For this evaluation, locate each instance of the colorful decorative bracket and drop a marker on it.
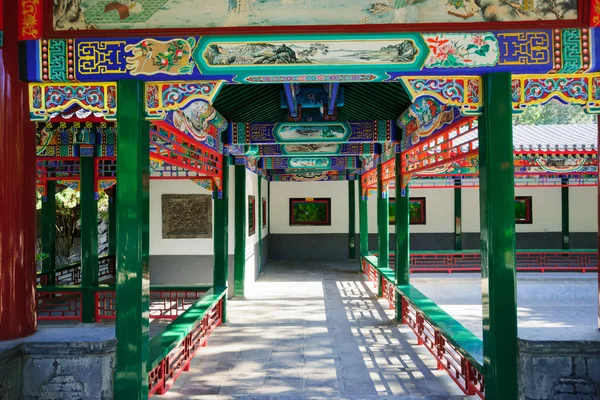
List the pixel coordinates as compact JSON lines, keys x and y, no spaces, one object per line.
{"x":170,"y":96}
{"x":463,"y":92}
{"x":582,"y":90}
{"x":48,"y":99}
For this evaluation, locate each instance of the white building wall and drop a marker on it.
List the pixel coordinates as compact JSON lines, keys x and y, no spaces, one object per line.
{"x":251,"y":266}
{"x":546,"y":208}
{"x":546,"y":205}
{"x":439,"y":211}
{"x":282,"y":192}
{"x":160,"y":246}
{"x":583,"y":209}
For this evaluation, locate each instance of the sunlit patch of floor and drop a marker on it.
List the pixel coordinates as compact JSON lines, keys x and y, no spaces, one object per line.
{"x":313,"y":330}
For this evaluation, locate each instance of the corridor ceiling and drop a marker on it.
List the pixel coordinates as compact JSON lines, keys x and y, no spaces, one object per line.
{"x":362,"y":101}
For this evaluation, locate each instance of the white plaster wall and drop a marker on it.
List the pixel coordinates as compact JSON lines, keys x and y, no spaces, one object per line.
{"x":282,"y":192}
{"x":160,"y":246}
{"x":439,"y":211}
{"x":251,"y":265}
{"x":583,"y":209}
{"x":469,"y":210}
{"x":546,"y":207}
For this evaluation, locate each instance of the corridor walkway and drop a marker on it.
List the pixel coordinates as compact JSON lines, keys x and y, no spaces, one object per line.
{"x":312,"y":331}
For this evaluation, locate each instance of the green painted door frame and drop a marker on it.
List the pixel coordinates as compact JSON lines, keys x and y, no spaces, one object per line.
{"x":268,"y":207}
{"x":497,"y":208}
{"x":133,"y":283}
{"x":564,"y":195}
{"x":351,"y":220}
{"x":89,"y":239}
{"x":49,"y":232}
{"x":383,"y":225}
{"x":402,"y":259}
{"x":221,"y":237}
{"x":458,"y":214}
{"x":241,"y":231}
{"x":363,"y":213}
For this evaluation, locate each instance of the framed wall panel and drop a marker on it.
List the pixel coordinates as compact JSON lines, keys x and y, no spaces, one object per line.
{"x":309,"y":211}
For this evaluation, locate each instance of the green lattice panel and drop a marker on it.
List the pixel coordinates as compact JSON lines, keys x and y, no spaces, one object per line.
{"x":571,"y":51}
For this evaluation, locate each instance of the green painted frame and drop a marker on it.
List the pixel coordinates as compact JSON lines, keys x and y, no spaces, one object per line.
{"x":251,"y":215}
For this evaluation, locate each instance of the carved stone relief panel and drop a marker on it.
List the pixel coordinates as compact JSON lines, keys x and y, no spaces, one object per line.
{"x":186,"y":216}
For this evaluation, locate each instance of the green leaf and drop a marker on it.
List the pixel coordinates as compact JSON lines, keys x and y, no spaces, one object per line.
{"x":471,"y":47}
{"x":191,"y":41}
{"x":492,"y":38}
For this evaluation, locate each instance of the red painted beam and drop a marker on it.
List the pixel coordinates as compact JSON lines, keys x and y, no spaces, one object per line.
{"x":17,"y":190}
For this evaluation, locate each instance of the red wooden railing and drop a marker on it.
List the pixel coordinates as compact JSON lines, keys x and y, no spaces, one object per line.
{"x":163,"y":375}
{"x":59,"y":305}
{"x":463,"y":373}
{"x":65,"y":303}
{"x":527,"y":260}
{"x":164,"y":304}
{"x":468,"y":379}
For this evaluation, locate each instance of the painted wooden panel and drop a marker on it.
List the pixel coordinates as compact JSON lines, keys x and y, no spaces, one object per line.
{"x":157,"y":14}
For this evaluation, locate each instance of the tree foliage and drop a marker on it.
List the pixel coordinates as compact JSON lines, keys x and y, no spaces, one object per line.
{"x":68,"y":217}
{"x":553,"y":114}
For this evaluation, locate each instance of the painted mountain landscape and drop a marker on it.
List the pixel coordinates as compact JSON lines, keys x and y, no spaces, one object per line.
{"x":156,"y":14}
{"x":327,"y":52}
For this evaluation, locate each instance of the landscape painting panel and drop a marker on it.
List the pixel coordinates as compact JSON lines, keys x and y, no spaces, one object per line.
{"x":310,"y":211}
{"x":157,"y":14}
{"x":307,"y":132}
{"x":308,"y":148}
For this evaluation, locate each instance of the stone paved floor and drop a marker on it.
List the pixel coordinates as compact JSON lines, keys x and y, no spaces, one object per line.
{"x":550,"y":306}
{"x":312,"y":331}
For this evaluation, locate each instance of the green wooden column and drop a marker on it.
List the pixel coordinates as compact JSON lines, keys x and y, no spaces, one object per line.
{"x":351,"y":220}
{"x":564,"y":195}
{"x":497,"y":208}
{"x":112,"y":223}
{"x":221,"y":236}
{"x":402,"y":259}
{"x":49,"y":232}
{"x":458,"y":214}
{"x":259,"y":222}
{"x":89,"y":239}
{"x":133,"y":278}
{"x":363,"y":213}
{"x":268,"y":207}
{"x":241,"y":230}
{"x":383,"y":226}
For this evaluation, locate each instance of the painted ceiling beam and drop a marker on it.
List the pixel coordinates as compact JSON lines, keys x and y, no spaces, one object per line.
{"x":236,"y":60}
{"x":290,"y":95}
{"x":336,"y":163}
{"x":315,"y":149}
{"x":311,"y":132}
